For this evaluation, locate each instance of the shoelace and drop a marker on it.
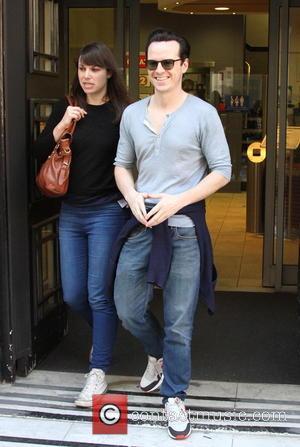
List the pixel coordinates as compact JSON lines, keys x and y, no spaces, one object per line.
{"x":177,"y":406}
{"x":152,"y":367}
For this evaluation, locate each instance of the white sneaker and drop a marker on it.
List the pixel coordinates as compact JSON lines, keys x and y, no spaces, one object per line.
{"x":153,"y":375}
{"x":179,"y":426}
{"x":95,"y":384}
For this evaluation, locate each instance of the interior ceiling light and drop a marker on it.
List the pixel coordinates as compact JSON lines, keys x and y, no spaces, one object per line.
{"x":222,"y":8}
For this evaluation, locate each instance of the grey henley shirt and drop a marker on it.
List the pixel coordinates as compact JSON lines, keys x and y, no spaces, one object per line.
{"x":191,"y":144}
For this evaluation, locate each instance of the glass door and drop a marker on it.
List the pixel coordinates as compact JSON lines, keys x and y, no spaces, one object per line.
{"x":116,"y":23}
{"x":283,"y":147}
{"x":78,"y":22}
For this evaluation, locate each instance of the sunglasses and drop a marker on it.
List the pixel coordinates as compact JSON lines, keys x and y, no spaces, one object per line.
{"x":167,"y":64}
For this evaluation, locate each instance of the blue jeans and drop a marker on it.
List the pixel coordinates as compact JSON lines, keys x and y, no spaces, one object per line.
{"x":133,"y":295}
{"x":86,"y":235}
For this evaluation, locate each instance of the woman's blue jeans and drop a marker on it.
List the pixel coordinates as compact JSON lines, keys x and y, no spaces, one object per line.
{"x":86,"y":235}
{"x":133,"y":295}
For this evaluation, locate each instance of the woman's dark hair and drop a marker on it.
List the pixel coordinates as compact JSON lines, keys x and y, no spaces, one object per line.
{"x":98,"y":54}
{"x":165,"y":35}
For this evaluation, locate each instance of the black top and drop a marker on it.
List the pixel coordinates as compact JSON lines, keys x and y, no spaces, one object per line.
{"x":94,"y":146}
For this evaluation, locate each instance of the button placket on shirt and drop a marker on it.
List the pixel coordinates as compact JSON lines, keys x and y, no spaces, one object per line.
{"x":158,"y":136}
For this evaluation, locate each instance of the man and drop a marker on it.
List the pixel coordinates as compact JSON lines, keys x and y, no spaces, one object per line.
{"x":177,"y":143}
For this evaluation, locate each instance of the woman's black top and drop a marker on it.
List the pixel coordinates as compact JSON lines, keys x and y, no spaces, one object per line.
{"x":94,"y":146}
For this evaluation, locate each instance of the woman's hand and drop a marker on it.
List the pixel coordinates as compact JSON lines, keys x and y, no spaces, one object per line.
{"x":72,"y":113}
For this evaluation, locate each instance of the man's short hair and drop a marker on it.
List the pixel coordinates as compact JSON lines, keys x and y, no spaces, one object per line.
{"x":166,"y":35}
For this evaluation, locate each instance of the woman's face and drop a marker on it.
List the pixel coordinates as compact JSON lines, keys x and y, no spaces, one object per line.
{"x":93,"y":79}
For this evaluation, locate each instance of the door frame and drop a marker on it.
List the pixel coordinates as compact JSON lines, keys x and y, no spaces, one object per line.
{"x":15,"y":299}
{"x":275,"y":273}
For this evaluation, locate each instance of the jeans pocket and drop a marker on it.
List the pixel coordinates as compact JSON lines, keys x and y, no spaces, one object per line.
{"x":137,"y":231}
{"x":185,"y":232}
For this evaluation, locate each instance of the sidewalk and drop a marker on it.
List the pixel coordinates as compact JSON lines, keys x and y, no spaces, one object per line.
{"x":38,"y":411}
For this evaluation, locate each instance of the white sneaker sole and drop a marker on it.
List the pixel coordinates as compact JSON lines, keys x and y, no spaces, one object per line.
{"x":180,"y":437}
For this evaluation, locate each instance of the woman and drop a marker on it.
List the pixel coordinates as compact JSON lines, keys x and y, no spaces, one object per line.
{"x":91,"y":216}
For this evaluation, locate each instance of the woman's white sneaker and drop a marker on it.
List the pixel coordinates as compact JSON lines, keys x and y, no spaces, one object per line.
{"x":95,"y":384}
{"x":179,"y":426}
{"x":153,"y":375}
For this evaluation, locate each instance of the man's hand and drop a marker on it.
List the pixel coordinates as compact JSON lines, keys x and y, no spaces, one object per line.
{"x":136,"y":202}
{"x":166,"y":207}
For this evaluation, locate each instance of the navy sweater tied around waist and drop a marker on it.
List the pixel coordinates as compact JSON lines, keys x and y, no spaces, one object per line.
{"x":161,"y":253}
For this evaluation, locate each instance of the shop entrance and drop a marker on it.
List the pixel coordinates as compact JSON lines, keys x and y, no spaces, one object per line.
{"x":238,"y":90}
{"x":225,"y":72}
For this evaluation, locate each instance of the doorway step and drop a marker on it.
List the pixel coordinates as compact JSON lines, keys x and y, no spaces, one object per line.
{"x":39,"y":410}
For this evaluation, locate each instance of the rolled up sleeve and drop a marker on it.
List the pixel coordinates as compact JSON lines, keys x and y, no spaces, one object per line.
{"x":214,"y":145}
{"x":126,"y":156}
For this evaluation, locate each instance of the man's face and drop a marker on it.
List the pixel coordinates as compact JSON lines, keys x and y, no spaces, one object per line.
{"x":166,"y":80}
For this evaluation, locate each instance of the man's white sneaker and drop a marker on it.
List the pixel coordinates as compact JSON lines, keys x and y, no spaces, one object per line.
{"x":179,"y":426}
{"x":153,"y":375}
{"x":95,"y":384}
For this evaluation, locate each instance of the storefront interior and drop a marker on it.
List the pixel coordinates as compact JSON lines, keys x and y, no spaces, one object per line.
{"x":229,"y":66}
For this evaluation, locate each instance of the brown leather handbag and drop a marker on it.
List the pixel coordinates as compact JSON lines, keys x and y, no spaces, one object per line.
{"x":53,"y":176}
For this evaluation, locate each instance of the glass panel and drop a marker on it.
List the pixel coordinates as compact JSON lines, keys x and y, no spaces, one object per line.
{"x":89,"y":25}
{"x":48,"y":258}
{"x":292,"y":155}
{"x":44,"y":23}
{"x":47,"y":266}
{"x":47,"y":269}
{"x":40,"y":110}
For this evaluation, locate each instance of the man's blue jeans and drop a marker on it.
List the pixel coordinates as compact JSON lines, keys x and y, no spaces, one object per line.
{"x":133,"y":295}
{"x":86,"y":235}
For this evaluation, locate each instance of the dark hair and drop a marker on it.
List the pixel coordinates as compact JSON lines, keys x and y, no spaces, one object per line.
{"x":166,"y":35}
{"x":97,"y":53}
